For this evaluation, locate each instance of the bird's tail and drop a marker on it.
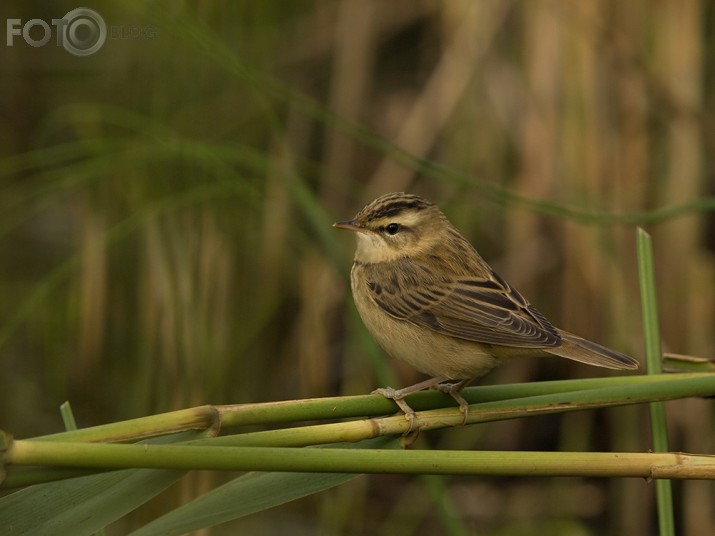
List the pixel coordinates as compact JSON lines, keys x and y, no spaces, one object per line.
{"x":588,"y":352}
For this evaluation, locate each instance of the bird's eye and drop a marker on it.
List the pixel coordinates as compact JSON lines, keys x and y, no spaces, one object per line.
{"x":393,"y":228}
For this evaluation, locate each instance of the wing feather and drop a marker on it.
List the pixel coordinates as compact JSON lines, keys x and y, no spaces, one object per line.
{"x":482,"y":309}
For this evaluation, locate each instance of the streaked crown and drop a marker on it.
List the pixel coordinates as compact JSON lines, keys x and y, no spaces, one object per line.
{"x":391,"y":205}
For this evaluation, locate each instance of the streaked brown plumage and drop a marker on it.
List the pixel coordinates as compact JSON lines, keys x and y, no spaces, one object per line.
{"x":429,"y":299}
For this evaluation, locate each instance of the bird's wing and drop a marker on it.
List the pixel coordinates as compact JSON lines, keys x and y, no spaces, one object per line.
{"x":481,"y":309}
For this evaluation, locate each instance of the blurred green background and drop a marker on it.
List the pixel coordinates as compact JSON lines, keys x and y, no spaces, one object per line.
{"x":165,"y":211}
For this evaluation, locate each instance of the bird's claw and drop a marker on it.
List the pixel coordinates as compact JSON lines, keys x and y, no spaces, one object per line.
{"x":397,"y":396}
{"x":453,"y":390}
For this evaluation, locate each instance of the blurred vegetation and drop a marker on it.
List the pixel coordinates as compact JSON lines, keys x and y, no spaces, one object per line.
{"x":165,"y":211}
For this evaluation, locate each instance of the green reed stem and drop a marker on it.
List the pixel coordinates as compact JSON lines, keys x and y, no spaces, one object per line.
{"x":651,"y":330}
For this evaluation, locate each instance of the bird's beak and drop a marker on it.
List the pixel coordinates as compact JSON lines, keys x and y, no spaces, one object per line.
{"x":350,"y":225}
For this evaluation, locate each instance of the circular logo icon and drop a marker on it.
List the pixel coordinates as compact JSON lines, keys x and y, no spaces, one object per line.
{"x":84,"y":33}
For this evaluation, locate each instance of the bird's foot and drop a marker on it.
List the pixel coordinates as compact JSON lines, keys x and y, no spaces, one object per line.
{"x":398,"y":396}
{"x":453,"y":390}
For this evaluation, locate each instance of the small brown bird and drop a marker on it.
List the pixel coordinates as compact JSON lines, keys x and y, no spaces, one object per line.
{"x":428,"y":298}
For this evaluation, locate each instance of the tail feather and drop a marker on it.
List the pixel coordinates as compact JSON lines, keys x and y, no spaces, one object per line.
{"x":588,"y":352}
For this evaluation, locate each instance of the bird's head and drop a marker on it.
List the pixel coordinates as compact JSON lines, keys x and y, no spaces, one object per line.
{"x":396,"y":225}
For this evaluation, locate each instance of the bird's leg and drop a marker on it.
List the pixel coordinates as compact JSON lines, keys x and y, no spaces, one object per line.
{"x":398,"y":396}
{"x":453,"y":390}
